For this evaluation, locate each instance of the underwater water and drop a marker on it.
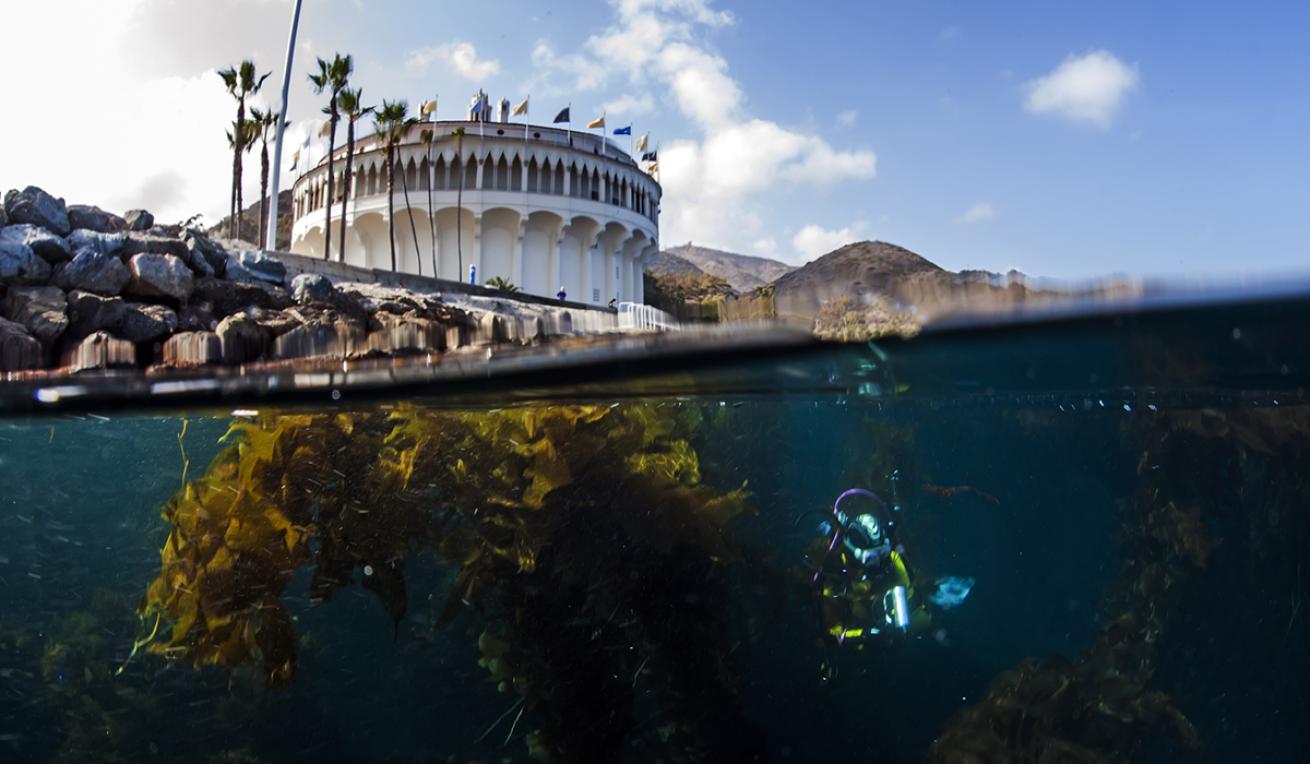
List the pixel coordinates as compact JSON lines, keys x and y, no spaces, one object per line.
{"x":1084,"y":543}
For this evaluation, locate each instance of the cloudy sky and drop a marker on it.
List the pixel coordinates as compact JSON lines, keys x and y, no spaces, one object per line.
{"x":1065,"y":139}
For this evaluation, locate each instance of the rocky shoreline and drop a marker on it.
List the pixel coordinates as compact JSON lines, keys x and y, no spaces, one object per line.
{"x":83,"y":289}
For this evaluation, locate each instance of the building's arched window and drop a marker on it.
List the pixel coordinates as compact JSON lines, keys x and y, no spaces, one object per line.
{"x":424,"y":175}
{"x":502,"y":174}
{"x":595,"y":186}
{"x":439,"y":173}
{"x":372,"y":180}
{"x":558,"y":187}
{"x":575,"y":188}
{"x":533,"y":176}
{"x":516,"y":175}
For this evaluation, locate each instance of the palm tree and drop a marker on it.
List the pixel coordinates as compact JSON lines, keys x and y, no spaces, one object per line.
{"x":240,"y":139}
{"x":503,"y":284}
{"x":352,"y":106}
{"x":241,"y":83}
{"x":386,"y":125}
{"x":400,"y":130}
{"x":261,"y":122}
{"x":332,"y":77}
{"x":459,"y":203}
{"x":426,"y":138}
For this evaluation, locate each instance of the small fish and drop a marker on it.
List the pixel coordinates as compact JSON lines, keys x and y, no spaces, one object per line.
{"x":951,"y":591}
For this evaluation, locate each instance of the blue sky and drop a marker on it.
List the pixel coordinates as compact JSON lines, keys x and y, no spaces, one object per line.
{"x":1068,"y":140}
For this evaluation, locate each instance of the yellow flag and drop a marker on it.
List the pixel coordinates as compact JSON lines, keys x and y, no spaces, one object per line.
{"x":597,"y":122}
{"x":654,"y":168}
{"x":428,"y":107}
{"x":521,"y":108}
{"x":326,"y":129}
{"x":295,"y":159}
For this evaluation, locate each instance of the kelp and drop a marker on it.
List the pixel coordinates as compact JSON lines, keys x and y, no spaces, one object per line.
{"x":586,"y":542}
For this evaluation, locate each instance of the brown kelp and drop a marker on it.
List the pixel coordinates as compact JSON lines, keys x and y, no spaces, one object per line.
{"x":593,"y":559}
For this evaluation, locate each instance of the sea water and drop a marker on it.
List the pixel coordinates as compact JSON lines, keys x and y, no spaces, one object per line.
{"x":1101,"y":521}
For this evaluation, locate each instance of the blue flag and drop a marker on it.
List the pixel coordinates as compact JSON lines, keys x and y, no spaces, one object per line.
{"x":563,"y":116}
{"x":623,"y":130}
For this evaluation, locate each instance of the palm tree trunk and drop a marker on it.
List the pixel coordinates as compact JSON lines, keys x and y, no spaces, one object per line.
{"x":432,"y":223}
{"x":263,"y":198}
{"x":236,"y":171}
{"x":404,"y":184}
{"x":459,"y":211}
{"x":234,"y":230}
{"x":391,"y":206}
{"x":345,"y":191}
{"x":327,"y":208}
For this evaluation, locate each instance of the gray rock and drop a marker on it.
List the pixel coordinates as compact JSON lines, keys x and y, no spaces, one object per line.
{"x":4,"y":216}
{"x":160,"y":276}
{"x":107,"y":243}
{"x":249,"y":266}
{"x":94,"y":219}
{"x":146,"y":323}
{"x":42,"y":309}
{"x":139,"y":220}
{"x":18,"y":349}
{"x":100,"y":351}
{"x":205,"y":252}
{"x":228,"y":297}
{"x":145,"y":243}
{"x":311,"y":287}
{"x":92,"y":271}
{"x":193,"y":349}
{"x":20,"y":265}
{"x":196,"y":318}
{"x":49,"y":247}
{"x":243,"y":340}
{"x":88,"y":313}
{"x":34,"y":206}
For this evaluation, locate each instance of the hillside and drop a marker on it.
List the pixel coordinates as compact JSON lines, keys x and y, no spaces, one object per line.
{"x":250,"y":223}
{"x":742,"y":272}
{"x":855,"y":270}
{"x":666,"y":263}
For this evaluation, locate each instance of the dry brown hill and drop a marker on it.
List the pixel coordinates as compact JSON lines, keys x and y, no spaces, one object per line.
{"x":742,"y":272}
{"x":855,"y":270}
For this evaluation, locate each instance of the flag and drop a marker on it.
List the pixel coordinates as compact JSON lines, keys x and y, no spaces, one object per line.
{"x":563,"y":116}
{"x":475,"y":106}
{"x":521,"y":108}
{"x":428,"y":108}
{"x":326,"y":129}
{"x":650,"y":156}
{"x":597,"y":122}
{"x":653,"y":168}
{"x":295,"y":159}
{"x":622,"y":130}
{"x":641,"y":143}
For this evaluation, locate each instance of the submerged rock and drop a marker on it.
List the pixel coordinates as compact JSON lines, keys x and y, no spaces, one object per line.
{"x":19,"y":350}
{"x":160,"y":276}
{"x":42,"y":309}
{"x":49,"y":247}
{"x":93,"y":218}
{"x":243,"y":340}
{"x":93,"y":271}
{"x":33,"y":205}
{"x":20,"y":265}
{"x":100,"y":351}
{"x":139,"y":220}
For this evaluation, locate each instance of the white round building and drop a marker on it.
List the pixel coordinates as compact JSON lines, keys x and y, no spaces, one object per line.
{"x":542,"y":209}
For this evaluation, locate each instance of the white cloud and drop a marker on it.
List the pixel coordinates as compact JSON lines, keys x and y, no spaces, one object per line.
{"x":628,"y":105}
{"x":815,"y":241}
{"x":766,"y":247}
{"x":709,"y":180}
{"x":847,"y":118}
{"x":977,"y":213}
{"x":461,"y":57}
{"x":1087,"y":89}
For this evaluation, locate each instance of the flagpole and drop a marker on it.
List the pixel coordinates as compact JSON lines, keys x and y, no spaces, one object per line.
{"x":281,"y":127}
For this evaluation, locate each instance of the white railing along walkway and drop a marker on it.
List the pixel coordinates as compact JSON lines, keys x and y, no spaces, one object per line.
{"x":638,"y":317}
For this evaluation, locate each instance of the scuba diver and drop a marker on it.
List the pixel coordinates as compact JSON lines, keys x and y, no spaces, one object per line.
{"x":866,"y":587}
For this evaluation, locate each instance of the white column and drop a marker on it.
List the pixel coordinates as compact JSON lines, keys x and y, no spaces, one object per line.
{"x":516,"y":260}
{"x":553,"y":259}
{"x":476,"y":255}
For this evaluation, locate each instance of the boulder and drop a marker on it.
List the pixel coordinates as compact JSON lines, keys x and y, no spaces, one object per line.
{"x":138,"y":220}
{"x":193,"y":349}
{"x":249,"y":266}
{"x":329,"y":336}
{"x":18,"y":349}
{"x":89,"y":313}
{"x":406,"y":335}
{"x":100,"y":351}
{"x":243,"y":340}
{"x":94,"y":219}
{"x":228,"y":297}
{"x":106,"y":243}
{"x":34,"y":206}
{"x":196,"y":318}
{"x":20,"y":265}
{"x":312,"y":287}
{"x":43,"y":310}
{"x":4,"y":216}
{"x":148,"y":243}
{"x":160,"y":276}
{"x":49,"y":247}
{"x":205,"y":253}
{"x":276,"y":322}
{"x":92,"y":271}
{"x":146,"y":323}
